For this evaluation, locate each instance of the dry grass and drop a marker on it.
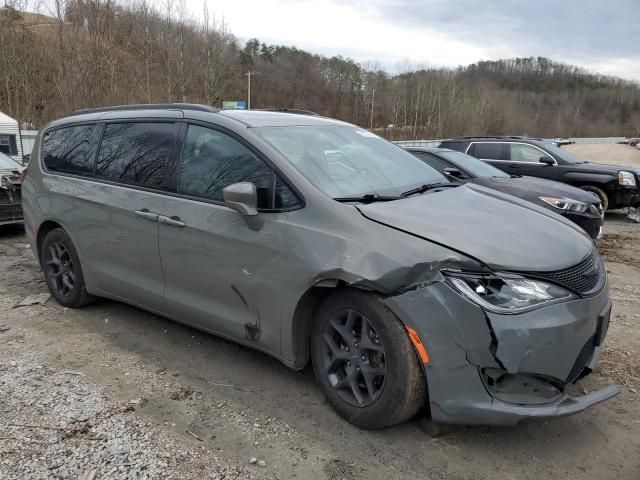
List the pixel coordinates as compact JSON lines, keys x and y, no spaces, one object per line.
{"x":621,"y":365}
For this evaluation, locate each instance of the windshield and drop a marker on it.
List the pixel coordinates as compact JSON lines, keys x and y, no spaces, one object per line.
{"x":471,"y":165}
{"x":8,"y":163}
{"x":345,"y":161}
{"x":563,"y":154}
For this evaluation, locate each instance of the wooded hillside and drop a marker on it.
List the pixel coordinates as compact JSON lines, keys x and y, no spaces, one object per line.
{"x":93,"y":53}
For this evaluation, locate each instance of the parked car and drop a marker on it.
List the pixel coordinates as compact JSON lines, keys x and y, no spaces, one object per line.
{"x":633,"y":142}
{"x":314,"y":240}
{"x":10,"y":186}
{"x":617,"y":186}
{"x":583,"y":208}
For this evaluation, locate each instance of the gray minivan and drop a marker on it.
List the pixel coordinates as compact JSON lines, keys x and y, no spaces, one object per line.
{"x":315,"y":240}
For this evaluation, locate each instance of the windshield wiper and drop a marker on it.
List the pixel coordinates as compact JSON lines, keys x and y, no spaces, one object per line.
{"x":367,"y":198}
{"x":430,"y":186}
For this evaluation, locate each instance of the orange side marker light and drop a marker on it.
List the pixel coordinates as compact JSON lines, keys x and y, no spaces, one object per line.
{"x":417,"y":343}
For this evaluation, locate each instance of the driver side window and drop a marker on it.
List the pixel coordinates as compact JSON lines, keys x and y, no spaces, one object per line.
{"x":212,"y":160}
{"x":525,"y":153}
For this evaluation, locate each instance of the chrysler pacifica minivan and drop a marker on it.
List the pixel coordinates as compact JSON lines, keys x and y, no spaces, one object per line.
{"x":314,"y":240}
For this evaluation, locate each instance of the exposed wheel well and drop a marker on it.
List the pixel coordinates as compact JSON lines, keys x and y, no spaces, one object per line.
{"x":45,"y":228}
{"x":302,"y":321}
{"x":304,"y":315}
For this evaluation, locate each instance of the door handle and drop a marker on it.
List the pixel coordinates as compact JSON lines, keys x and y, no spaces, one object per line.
{"x":173,"y":221}
{"x":147,"y":215}
{"x":514,"y":165}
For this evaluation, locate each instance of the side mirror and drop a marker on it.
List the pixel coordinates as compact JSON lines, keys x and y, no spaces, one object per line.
{"x":547,"y":161}
{"x":242,"y":197}
{"x":454,"y":172}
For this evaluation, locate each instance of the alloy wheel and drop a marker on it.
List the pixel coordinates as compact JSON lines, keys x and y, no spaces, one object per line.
{"x":354,"y":358}
{"x":60,"y":269}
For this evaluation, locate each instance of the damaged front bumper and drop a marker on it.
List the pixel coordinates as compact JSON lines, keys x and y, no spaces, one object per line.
{"x":493,"y":369}
{"x":10,"y":199}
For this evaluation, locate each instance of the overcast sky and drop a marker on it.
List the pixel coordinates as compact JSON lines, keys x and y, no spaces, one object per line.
{"x":599,"y":35}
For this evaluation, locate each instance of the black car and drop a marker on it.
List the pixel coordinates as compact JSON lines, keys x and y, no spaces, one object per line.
{"x":617,"y":186}
{"x":579,"y":206}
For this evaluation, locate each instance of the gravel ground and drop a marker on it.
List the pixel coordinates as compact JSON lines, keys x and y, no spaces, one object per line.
{"x":611,"y":154}
{"x":112,"y":392}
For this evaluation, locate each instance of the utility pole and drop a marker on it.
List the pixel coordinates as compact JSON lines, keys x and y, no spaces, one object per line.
{"x":249,"y":74}
{"x":373,"y":98}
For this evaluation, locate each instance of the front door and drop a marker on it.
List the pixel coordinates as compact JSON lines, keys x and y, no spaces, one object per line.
{"x":221,"y":269}
{"x":524,"y":159}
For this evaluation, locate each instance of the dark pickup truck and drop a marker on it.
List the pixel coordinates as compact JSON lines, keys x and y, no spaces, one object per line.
{"x":617,"y":186}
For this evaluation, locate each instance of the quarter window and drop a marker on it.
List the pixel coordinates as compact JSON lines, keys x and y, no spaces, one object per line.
{"x":212,"y":160}
{"x":521,"y":152}
{"x":136,"y":153}
{"x":69,"y":150}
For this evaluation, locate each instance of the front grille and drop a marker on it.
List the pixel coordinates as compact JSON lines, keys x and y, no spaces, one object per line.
{"x":581,"y":278}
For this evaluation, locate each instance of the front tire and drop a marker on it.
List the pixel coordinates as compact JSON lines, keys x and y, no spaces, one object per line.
{"x":62,"y":270}
{"x":364,"y":361}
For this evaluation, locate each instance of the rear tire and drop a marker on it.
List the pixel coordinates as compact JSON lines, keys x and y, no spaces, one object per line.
{"x":365,"y":362}
{"x":604,"y":199}
{"x":62,"y":270}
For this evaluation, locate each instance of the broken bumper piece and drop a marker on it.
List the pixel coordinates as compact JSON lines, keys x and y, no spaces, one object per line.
{"x":491,"y":369}
{"x":508,"y":413}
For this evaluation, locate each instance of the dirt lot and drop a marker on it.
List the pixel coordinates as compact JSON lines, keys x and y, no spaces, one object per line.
{"x":126,"y":394}
{"x":613,"y":154}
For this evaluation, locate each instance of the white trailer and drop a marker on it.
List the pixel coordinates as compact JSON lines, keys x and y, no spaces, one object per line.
{"x":10,"y":139}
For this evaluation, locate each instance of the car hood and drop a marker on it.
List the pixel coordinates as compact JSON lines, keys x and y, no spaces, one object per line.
{"x":601,"y":167}
{"x":499,"y":230}
{"x":532,"y":188}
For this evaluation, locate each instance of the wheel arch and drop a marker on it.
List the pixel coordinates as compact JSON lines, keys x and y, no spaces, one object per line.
{"x":305,"y":311}
{"x":47,"y":226}
{"x":43,"y":229}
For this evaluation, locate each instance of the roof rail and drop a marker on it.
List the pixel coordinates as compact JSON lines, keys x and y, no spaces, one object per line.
{"x":149,"y":106}
{"x":512,"y":137}
{"x":289,"y":110}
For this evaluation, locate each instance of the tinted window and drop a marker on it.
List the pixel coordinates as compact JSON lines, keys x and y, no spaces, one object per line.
{"x":488,"y":151}
{"x":135,"y":153}
{"x":212,"y":160}
{"x":521,"y":152}
{"x":284,"y":198}
{"x":453,"y":145}
{"x":434,"y":162}
{"x":69,"y":150}
{"x":472,"y":166}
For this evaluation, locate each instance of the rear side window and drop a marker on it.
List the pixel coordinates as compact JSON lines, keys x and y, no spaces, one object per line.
{"x":69,"y":150}
{"x":136,"y":153}
{"x":212,"y":160}
{"x":488,"y":151}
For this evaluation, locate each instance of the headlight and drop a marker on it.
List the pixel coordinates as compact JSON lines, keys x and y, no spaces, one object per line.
{"x":627,"y":179}
{"x":566,"y":204}
{"x":501,"y":294}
